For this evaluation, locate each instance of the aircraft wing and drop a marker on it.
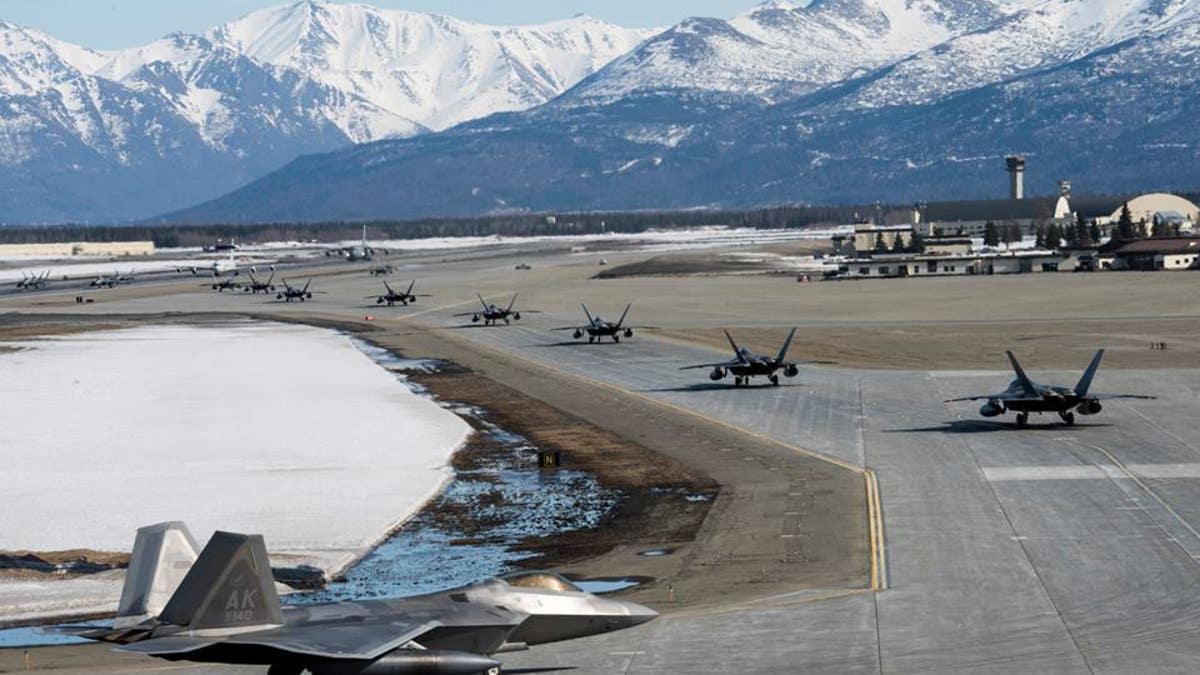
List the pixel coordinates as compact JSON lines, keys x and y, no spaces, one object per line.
{"x":572,"y":328}
{"x":989,"y":397}
{"x":360,"y":640}
{"x":1109,"y":397}
{"x":724,"y":364}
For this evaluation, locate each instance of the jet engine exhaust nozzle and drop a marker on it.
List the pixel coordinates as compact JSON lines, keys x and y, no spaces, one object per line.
{"x":716,"y":374}
{"x":791,"y":371}
{"x":1089,"y":407}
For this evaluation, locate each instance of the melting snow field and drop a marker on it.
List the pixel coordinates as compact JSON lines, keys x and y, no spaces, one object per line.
{"x":289,"y":431}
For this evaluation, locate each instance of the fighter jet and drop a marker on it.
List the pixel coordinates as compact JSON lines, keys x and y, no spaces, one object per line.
{"x":746,"y":364}
{"x":392,"y":297}
{"x":32,"y":282}
{"x":222,"y":607}
{"x":1024,"y":396}
{"x":493,"y":313}
{"x":222,"y":285}
{"x":255,"y":286}
{"x":106,"y":281}
{"x":597,"y":328}
{"x":290,"y":292}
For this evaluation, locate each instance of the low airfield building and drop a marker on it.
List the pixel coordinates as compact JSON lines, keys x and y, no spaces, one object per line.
{"x":1174,"y":253}
{"x":892,"y":265}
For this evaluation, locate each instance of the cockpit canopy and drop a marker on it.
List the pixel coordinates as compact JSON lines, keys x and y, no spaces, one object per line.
{"x":545,"y":581}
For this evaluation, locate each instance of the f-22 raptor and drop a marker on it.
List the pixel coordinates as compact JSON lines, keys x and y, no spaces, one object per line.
{"x":392,"y":297}
{"x":222,"y":607}
{"x":746,"y":364}
{"x":290,"y":292}
{"x":1024,"y":396}
{"x":597,"y":327}
{"x":492,"y":314}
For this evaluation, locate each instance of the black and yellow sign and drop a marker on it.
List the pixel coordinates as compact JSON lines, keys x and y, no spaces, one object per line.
{"x":549,"y":460}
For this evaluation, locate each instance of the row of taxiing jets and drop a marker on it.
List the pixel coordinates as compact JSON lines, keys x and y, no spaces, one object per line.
{"x":1023,"y":396}
{"x":221,"y":606}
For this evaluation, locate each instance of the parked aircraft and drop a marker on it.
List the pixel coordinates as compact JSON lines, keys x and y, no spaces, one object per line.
{"x":746,"y":364}
{"x":106,"y":281}
{"x":222,"y":607}
{"x":597,"y":327}
{"x":1024,"y":396}
{"x":392,"y":297}
{"x":290,"y":292}
{"x":382,"y":270}
{"x":493,"y":313}
{"x":361,"y":251}
{"x":30,"y":282}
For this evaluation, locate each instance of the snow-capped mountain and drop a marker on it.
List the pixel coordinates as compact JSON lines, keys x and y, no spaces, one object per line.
{"x":92,"y":135}
{"x":1099,"y":91}
{"x":782,"y":49}
{"x":433,"y":69}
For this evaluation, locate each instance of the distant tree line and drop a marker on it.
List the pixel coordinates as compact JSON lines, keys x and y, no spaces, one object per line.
{"x":523,"y":225}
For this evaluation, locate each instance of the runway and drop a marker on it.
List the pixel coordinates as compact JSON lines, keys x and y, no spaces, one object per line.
{"x":987,"y":569}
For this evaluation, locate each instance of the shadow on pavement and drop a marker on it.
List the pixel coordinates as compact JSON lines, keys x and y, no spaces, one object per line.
{"x":985,"y":426}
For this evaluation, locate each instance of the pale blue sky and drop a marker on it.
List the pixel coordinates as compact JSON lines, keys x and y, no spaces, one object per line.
{"x":110,"y":24}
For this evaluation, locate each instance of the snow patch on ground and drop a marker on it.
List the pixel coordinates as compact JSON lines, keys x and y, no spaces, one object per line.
{"x":289,"y":431}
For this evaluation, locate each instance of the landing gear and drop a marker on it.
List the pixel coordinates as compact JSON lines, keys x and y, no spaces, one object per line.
{"x":617,"y":339}
{"x":1022,"y":419}
{"x":739,"y":381}
{"x":591,"y":339}
{"x":1068,"y":417}
{"x":285,"y":669}
{"x":774,"y":380}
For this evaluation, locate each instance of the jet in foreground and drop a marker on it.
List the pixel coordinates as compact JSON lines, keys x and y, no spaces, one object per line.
{"x":392,"y":297}
{"x":255,"y":286}
{"x":746,"y":364}
{"x":223,"y":607}
{"x":597,"y":327}
{"x":290,"y":292}
{"x":1024,"y":396}
{"x":493,"y":313}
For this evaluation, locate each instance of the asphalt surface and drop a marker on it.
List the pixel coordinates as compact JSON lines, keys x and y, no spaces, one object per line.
{"x":1050,"y":549}
{"x":993,"y":564}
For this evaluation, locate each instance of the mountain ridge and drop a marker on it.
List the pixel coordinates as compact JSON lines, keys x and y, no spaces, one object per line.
{"x":91,"y":135}
{"x":1101,"y":99}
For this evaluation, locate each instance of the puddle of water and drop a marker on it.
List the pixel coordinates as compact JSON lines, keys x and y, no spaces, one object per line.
{"x":505,"y":493}
{"x":601,"y":586}
{"x":41,"y":636}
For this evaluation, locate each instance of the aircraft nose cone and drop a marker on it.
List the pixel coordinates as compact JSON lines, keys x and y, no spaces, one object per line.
{"x":639,"y":614}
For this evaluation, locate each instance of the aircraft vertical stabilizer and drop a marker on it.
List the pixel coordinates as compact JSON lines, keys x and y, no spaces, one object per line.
{"x":229,"y":586}
{"x":162,"y":556}
{"x":1085,"y":382}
